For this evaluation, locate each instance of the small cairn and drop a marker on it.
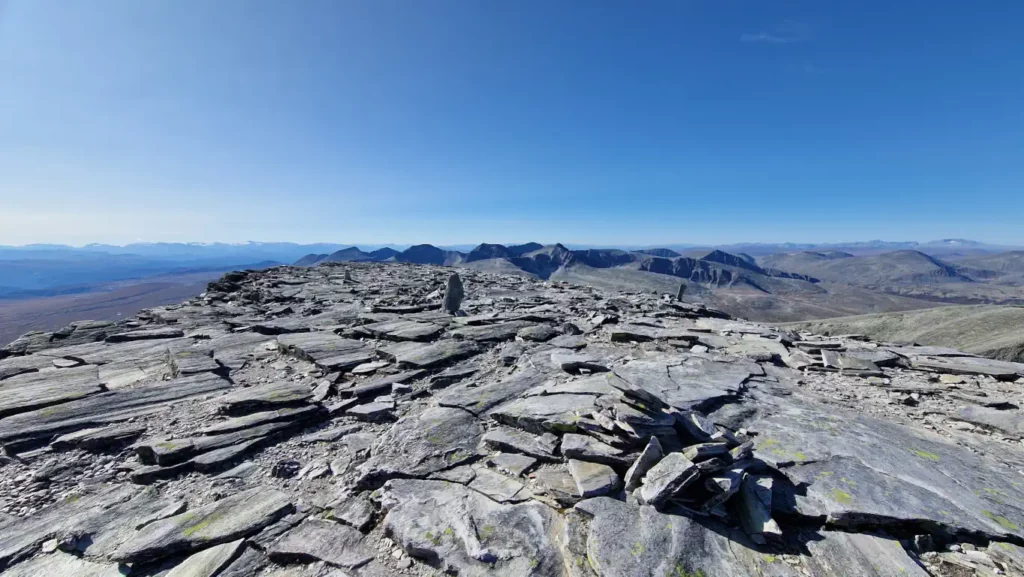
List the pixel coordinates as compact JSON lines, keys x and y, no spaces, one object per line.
{"x":453,"y":294}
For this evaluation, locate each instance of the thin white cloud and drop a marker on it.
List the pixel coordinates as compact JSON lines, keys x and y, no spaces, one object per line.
{"x":766,"y":38}
{"x":788,"y":32}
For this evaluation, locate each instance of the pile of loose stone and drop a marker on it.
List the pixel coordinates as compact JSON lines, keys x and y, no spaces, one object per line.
{"x":388,"y":419}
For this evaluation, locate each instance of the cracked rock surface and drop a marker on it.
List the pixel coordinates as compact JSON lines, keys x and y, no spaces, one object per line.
{"x":344,"y":421}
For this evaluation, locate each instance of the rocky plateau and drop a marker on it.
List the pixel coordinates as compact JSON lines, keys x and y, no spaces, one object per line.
{"x":364,"y":419}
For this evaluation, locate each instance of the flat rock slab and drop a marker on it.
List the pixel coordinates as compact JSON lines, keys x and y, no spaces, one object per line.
{"x":146,"y":335}
{"x":641,"y":333}
{"x":481,"y":398}
{"x":543,"y":414}
{"x":836,"y":553}
{"x":584,"y":448}
{"x":512,"y":463}
{"x":208,"y":562}
{"x":486,"y":333}
{"x":403,"y":330}
{"x":261,"y":418}
{"x":900,"y":472}
{"x":106,"y":408}
{"x":1002,"y":370}
{"x":99,"y":438}
{"x":231,"y":518}
{"x":41,"y":389}
{"x":325,"y":349}
{"x":468,"y":533}
{"x":318,"y":540}
{"x":60,"y":564}
{"x":499,"y":487}
{"x":426,"y":356}
{"x":671,"y":475}
{"x":508,"y":439}
{"x":268,"y":396}
{"x":381,"y":385}
{"x":436,"y":439}
{"x":371,"y":411}
{"x":1008,"y":422}
{"x":690,"y":384}
{"x":593,"y":479}
{"x":626,"y":539}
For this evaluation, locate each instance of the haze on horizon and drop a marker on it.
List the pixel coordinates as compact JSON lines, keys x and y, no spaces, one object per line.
{"x":459,"y":122}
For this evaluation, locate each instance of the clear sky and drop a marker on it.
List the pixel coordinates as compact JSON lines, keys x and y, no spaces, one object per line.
{"x":460,"y":121}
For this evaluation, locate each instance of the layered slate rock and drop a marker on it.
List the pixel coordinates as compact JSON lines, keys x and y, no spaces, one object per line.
{"x":42,"y":389}
{"x":305,"y":424}
{"x":314,"y":539}
{"x":428,"y":356}
{"x":223,"y":521}
{"x":438,"y":438}
{"x":110,"y":407}
{"x":468,"y":533}
{"x":326,"y":349}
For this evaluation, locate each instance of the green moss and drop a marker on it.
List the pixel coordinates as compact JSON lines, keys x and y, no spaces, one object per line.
{"x":926,"y":455}
{"x":842,"y":496}
{"x":1003,"y":521}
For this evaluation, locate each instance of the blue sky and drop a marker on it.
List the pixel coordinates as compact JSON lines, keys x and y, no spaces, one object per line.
{"x":460,"y":121}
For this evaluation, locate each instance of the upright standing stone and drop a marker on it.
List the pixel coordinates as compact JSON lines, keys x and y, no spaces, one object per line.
{"x":348,"y":276}
{"x":453,"y":294}
{"x":682,"y":289}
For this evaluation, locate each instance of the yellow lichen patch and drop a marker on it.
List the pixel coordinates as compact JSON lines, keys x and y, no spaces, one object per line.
{"x":842,"y":496}
{"x":925,"y":455}
{"x":203,"y":524}
{"x":1003,"y":521}
{"x":637,"y":549}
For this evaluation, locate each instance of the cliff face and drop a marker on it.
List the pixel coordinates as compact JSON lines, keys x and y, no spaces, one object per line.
{"x":287,"y":420}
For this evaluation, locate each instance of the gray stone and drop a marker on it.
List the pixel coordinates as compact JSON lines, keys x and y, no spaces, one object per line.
{"x":268,"y":396}
{"x":584,"y":448}
{"x":318,"y":540}
{"x":436,"y":439}
{"x":506,"y":439}
{"x":499,"y":487}
{"x":537,"y":333}
{"x":209,"y":562}
{"x":110,"y":407}
{"x":326,"y":350}
{"x":836,"y":553}
{"x":233,"y":517}
{"x":262,"y":418}
{"x":355,"y":512}
{"x":35,"y":390}
{"x":670,"y":476}
{"x":625,"y":539}
{"x":1007,"y":422}
{"x":467,"y":533}
{"x":574,"y":362}
{"x":100,"y":438}
{"x":490,"y":333}
{"x":593,"y":479}
{"x":403,"y":330}
{"x":551,"y":413}
{"x":512,"y":463}
{"x":453,"y":294}
{"x":371,"y":411}
{"x":426,"y":356}
{"x":146,"y":334}
{"x":650,"y":456}
{"x":61,"y":564}
{"x":754,"y":508}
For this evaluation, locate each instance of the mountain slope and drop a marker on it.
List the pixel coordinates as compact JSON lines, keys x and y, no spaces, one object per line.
{"x":891,"y":268}
{"x":991,"y":331}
